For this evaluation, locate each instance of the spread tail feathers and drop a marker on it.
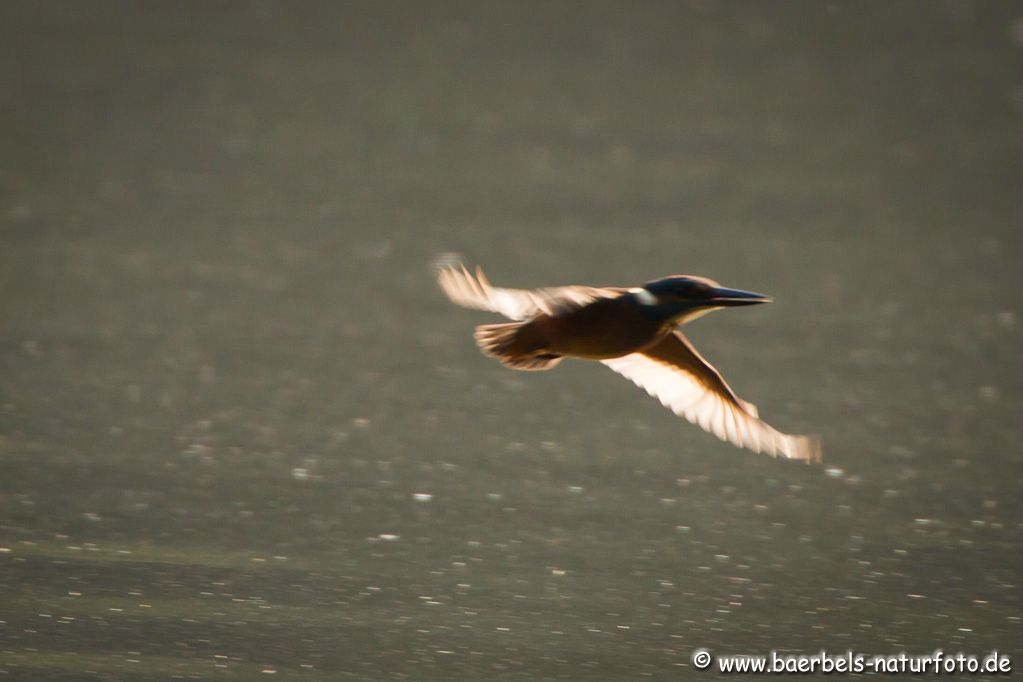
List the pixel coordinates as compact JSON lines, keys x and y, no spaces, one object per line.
{"x":504,"y":342}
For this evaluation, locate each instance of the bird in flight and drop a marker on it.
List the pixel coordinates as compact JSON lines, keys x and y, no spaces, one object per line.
{"x":635,"y":333}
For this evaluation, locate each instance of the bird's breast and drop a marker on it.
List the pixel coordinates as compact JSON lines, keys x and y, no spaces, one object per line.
{"x":607,"y":328}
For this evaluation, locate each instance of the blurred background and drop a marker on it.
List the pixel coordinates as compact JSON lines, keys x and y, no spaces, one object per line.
{"x":243,"y":433}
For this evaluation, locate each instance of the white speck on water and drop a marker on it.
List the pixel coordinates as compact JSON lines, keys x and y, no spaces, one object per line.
{"x":682,"y":529}
{"x":32,"y":348}
{"x":360,"y":422}
{"x":834,"y":472}
{"x":208,"y":374}
{"x":494,"y":496}
{"x":133,"y":393}
{"x":197,"y":450}
{"x":388,"y":537}
{"x":575,"y":489}
{"x":300,"y":474}
{"x":422,"y":497}
{"x":558,"y":571}
{"x":988,"y":393}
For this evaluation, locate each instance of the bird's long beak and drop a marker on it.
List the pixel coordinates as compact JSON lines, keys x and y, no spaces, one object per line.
{"x":735,"y":297}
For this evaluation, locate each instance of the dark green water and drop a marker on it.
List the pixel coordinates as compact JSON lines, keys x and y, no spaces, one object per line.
{"x":243,"y":434}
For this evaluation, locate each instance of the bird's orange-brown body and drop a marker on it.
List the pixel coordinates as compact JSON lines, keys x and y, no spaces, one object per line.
{"x":603,"y":329}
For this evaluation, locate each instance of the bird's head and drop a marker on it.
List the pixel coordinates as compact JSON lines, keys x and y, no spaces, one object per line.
{"x":682,"y":298}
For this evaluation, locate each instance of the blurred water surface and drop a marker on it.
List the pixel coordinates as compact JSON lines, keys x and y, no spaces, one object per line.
{"x":241,"y":432}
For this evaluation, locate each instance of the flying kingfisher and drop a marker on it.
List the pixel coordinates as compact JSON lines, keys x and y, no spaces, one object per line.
{"x":635,"y":333}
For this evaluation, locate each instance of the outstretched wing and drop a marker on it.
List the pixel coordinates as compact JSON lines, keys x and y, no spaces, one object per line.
{"x":517,"y":304}
{"x":674,"y":372}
